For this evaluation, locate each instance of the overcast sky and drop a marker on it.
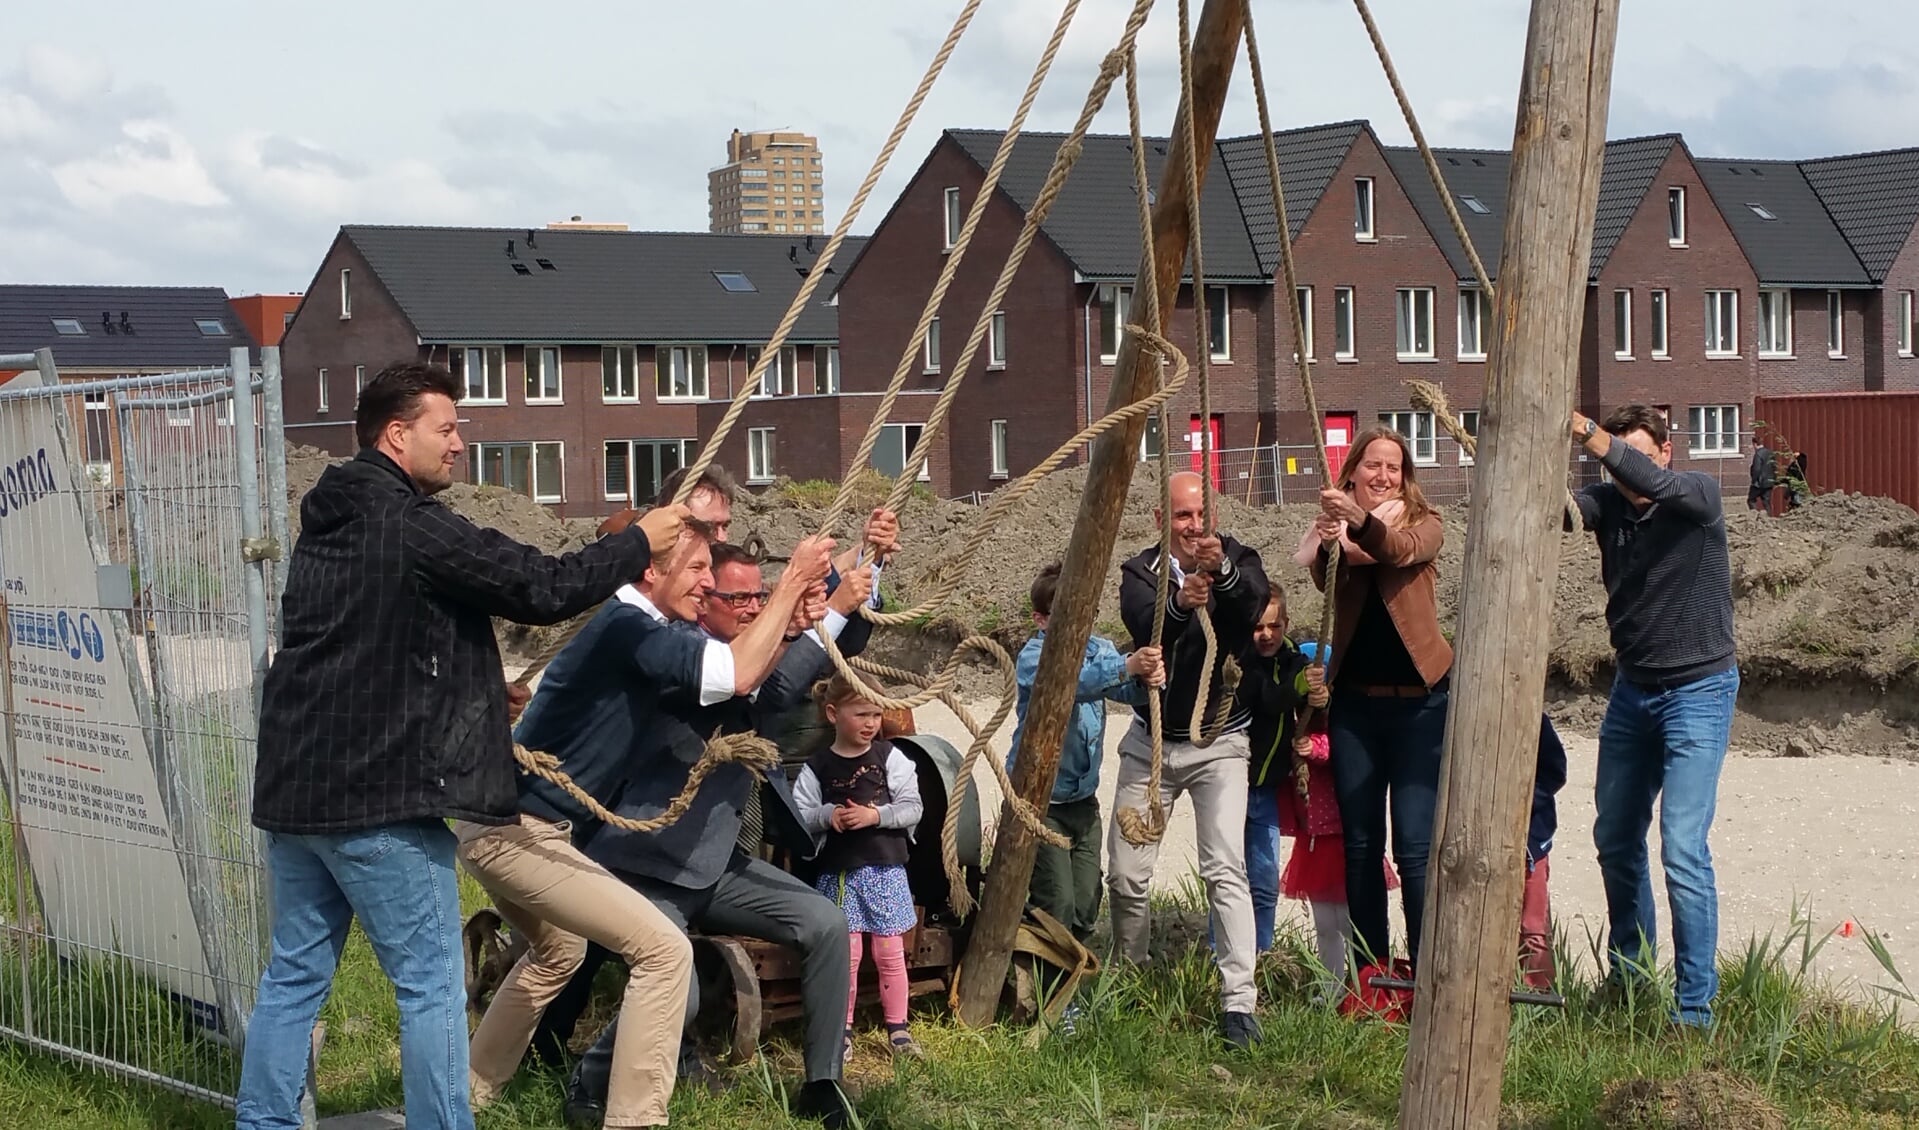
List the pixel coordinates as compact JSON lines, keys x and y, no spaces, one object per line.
{"x":205,"y":143}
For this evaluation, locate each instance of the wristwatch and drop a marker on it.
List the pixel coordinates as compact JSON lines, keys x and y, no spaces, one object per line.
{"x":1592,"y":428}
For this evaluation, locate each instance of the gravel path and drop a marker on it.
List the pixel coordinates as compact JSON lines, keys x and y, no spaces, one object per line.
{"x":1832,"y":835}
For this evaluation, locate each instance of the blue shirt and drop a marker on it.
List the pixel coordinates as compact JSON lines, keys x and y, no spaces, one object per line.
{"x":1102,"y":676}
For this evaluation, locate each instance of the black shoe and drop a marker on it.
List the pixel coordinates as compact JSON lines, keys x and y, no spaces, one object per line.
{"x":584,"y":1113}
{"x":695,"y":1071}
{"x":823,"y":1099}
{"x":1240,"y":1030}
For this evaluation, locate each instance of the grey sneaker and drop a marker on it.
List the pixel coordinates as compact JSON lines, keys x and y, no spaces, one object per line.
{"x":1240,"y":1030}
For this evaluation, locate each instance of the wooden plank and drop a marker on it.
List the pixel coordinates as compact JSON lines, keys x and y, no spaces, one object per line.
{"x":1089,"y":553}
{"x":1461,"y":1016}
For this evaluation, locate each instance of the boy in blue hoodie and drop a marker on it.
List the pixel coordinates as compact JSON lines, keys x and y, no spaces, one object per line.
{"x":1066,"y":881}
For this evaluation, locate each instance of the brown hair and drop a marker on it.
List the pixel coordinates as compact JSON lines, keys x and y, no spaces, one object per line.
{"x":1417,"y":508}
{"x":395,"y":395}
{"x":834,"y":690}
{"x":1044,"y":587}
{"x":1639,"y":418}
{"x":714,"y":479}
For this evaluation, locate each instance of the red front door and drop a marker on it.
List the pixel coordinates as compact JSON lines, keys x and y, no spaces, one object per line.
{"x":1197,"y":440}
{"x":1340,"y":427}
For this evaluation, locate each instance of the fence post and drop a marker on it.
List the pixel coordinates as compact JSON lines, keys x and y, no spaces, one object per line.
{"x":274,"y":420}
{"x":246,"y":441}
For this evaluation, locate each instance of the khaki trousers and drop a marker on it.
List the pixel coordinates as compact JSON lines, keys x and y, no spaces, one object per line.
{"x":1215,"y":777}
{"x":558,"y":899}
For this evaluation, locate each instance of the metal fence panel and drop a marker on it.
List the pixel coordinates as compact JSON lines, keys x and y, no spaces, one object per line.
{"x":135,"y":920}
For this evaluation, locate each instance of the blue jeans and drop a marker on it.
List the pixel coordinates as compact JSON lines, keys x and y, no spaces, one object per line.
{"x":1262,"y":858}
{"x":1672,"y":739}
{"x":400,"y":882}
{"x":1386,"y":750}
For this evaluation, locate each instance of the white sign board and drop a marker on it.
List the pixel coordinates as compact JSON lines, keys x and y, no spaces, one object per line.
{"x":101,"y":845}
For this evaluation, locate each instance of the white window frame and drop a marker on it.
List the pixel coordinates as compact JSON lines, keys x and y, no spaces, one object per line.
{"x":527,"y":354}
{"x":1905,"y":322}
{"x":781,"y":377}
{"x":346,"y":293}
{"x":1659,"y":327}
{"x":1471,"y":298}
{"x":997,"y":449}
{"x":1723,"y":427}
{"x":1351,"y":324}
{"x":930,"y":349}
{"x":996,"y":340}
{"x":323,"y":406}
{"x":492,"y":372}
{"x":626,"y":374}
{"x":359,"y":382}
{"x":1722,"y":314}
{"x":760,"y":447}
{"x":480,"y":450}
{"x":831,"y":361}
{"x":607,"y":447}
{"x":1405,"y":307}
{"x":952,"y":219}
{"x":1676,"y":215}
{"x":1148,"y":447}
{"x":698,"y":377}
{"x":907,"y":441}
{"x":1836,"y":324}
{"x":1469,"y":420}
{"x":1304,"y":297}
{"x":1221,"y":342}
{"x":1365,"y":210}
{"x":1775,"y":322}
{"x":1622,"y":324}
{"x":1116,"y":302}
{"x":1423,"y":440}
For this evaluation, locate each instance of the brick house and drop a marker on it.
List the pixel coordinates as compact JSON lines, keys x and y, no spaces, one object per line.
{"x":97,"y":332}
{"x":1873,"y":198}
{"x":587,"y":354}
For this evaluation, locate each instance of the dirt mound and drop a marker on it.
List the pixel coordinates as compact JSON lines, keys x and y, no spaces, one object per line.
{"x":1826,"y":599}
{"x":1703,"y":1100}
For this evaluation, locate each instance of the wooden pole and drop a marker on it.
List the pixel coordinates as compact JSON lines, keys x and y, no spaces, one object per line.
{"x":1461,"y":1015}
{"x":1089,"y":554}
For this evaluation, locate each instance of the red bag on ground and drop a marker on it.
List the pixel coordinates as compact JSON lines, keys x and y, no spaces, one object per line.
{"x":1365,"y":1001}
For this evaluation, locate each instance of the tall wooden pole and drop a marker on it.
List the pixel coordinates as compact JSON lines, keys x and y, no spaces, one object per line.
{"x":1461,"y":1016}
{"x":1089,"y":554}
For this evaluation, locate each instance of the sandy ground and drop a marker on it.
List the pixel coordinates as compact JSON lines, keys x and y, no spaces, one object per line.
{"x":1831,"y":835}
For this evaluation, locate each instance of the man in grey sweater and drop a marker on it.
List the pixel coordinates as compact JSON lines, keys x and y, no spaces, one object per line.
{"x":1663,"y":557}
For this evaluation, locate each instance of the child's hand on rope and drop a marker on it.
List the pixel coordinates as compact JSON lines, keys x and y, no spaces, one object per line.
{"x":1147,"y":666}
{"x":1317,"y":696}
{"x":1195,"y":591}
{"x":663,"y":526}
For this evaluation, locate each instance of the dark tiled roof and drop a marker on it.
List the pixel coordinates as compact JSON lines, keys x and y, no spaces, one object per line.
{"x":1800,"y":245}
{"x":1095,"y":221}
{"x":1631,"y":165}
{"x":459,"y":285}
{"x":163,"y":320}
{"x":1308,"y":158}
{"x":1478,"y":173}
{"x":1874,"y":198}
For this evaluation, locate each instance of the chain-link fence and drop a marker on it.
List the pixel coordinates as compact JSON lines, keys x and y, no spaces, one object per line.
{"x":135,"y":578}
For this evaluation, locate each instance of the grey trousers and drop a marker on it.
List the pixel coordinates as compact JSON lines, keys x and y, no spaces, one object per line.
{"x":1215,"y":777}
{"x":757,"y":900}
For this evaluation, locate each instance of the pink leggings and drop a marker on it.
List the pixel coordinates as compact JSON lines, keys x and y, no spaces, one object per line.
{"x":889,"y":953}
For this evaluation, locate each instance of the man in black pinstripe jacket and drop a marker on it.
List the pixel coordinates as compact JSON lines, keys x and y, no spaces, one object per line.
{"x":385,"y":713}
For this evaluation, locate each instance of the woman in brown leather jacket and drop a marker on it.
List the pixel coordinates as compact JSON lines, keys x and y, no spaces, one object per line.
{"x":1390,"y":669}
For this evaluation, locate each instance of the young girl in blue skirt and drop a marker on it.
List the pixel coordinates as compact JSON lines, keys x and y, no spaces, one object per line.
{"x":862,"y":795}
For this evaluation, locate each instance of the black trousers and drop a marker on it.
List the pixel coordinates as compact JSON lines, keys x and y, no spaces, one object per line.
{"x":757,"y":900}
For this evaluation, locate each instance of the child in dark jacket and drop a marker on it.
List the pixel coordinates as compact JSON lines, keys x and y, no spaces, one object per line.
{"x":1535,"y":915}
{"x":1272,"y":688}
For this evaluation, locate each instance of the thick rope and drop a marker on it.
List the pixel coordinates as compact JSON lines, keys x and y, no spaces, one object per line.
{"x":711,"y":450}
{"x":1432,"y":398}
{"x":1419,"y":139}
{"x":750,"y":751}
{"x":529,"y":761}
{"x":1289,"y":270}
{"x":1148,"y":826}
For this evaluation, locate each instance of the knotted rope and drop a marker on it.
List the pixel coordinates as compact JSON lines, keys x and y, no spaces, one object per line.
{"x":750,"y":751}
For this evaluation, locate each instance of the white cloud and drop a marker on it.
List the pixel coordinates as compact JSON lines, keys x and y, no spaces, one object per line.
{"x":152,"y":161}
{"x":63,"y":76}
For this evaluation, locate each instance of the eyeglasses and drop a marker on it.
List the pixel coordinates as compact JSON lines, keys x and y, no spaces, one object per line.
{"x":741,"y":599}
